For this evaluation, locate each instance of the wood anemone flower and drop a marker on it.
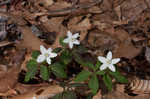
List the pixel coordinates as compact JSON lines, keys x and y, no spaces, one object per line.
{"x":72,"y":39}
{"x":108,"y":62}
{"x":46,"y":54}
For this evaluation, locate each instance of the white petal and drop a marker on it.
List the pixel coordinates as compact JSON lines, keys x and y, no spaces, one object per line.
{"x":102,"y":59}
{"x":103,"y":66}
{"x":48,"y":60}
{"x":33,"y":97}
{"x":66,"y":40}
{"x":49,"y":50}
{"x":116,"y":60}
{"x":69,"y":34}
{"x":112,"y":67}
{"x":70,"y":45}
{"x":42,"y":49}
{"x":40,"y":58}
{"x":76,"y":42}
{"x":76,"y":35}
{"x":109,"y":55}
{"x":53,"y":55}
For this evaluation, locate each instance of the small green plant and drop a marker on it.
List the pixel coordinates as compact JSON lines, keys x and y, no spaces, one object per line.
{"x":69,"y":90}
{"x":43,"y":60}
{"x":47,"y":61}
{"x":105,"y":71}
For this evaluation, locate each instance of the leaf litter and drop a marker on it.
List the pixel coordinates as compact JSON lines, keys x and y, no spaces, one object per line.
{"x":122,"y":26}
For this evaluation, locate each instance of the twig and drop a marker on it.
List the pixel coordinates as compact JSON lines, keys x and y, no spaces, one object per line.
{"x":73,"y":8}
{"x":5,"y":2}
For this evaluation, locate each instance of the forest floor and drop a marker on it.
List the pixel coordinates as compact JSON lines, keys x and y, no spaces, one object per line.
{"x":120,"y":26}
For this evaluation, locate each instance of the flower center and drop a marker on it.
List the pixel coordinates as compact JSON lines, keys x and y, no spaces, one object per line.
{"x":46,"y":54}
{"x":73,"y":39}
{"x":109,"y":61}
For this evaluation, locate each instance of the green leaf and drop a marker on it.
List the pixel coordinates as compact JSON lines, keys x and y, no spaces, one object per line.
{"x":66,"y":57}
{"x":82,"y":76}
{"x":59,"y":64}
{"x":58,"y":71}
{"x":57,"y":50}
{"x":119,"y":77}
{"x":108,"y":82}
{"x":31,"y":64}
{"x":93,"y":84}
{"x":69,"y":95}
{"x":61,"y":42}
{"x":32,"y":69}
{"x":97,"y":65}
{"x":66,"y":95}
{"x":88,"y":64}
{"x":80,"y":49}
{"x":89,"y":96}
{"x":35,"y":54}
{"x":44,"y":72}
{"x":100,"y":72}
{"x":77,"y":85}
{"x":79,"y":60}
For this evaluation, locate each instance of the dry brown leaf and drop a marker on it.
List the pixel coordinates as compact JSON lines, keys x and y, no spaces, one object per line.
{"x":9,"y":78}
{"x":45,"y":3}
{"x":98,"y":95}
{"x":29,"y":41}
{"x":102,"y":41}
{"x":119,"y":33}
{"x":59,"y":5}
{"x":24,"y":88}
{"x":5,"y":43}
{"x":147,"y":54}
{"x":44,"y":92}
{"x":131,"y":9}
{"x":75,"y":25}
{"x":127,"y":50}
{"x":54,"y":25}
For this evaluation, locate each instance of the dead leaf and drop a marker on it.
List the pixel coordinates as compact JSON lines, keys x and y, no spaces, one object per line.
{"x":147,"y":54}
{"x":44,"y":92}
{"x":127,"y":50}
{"x":5,"y":43}
{"x":98,"y":95}
{"x":29,"y":39}
{"x":9,"y":79}
{"x":131,"y":9}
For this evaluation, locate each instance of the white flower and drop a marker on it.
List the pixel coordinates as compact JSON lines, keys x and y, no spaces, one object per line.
{"x":33,"y":97}
{"x":108,"y":62}
{"x":72,"y":39}
{"x":46,"y":54}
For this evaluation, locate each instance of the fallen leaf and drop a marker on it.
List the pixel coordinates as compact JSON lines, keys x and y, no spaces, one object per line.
{"x":44,"y":92}
{"x":98,"y":95}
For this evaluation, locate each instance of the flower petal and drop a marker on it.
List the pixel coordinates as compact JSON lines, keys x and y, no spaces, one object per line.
{"x":76,"y":42}
{"x":49,"y":50}
{"x":102,"y":59}
{"x":76,"y":35}
{"x":40,"y":58}
{"x":112,"y":67}
{"x":43,"y":49}
{"x":48,"y":60}
{"x":103,"y":66}
{"x":69,"y":34}
{"x":66,"y":40}
{"x":33,"y":97}
{"x":109,"y":55}
{"x":53,"y":55}
{"x":115,"y":60}
{"x":70,"y":45}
